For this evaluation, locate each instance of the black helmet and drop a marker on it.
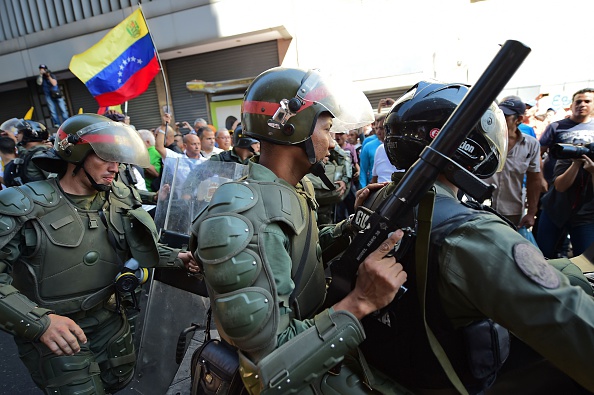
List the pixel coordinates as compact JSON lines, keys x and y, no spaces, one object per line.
{"x":31,"y":130}
{"x":282,"y":106}
{"x":417,"y":117}
{"x":240,"y":140}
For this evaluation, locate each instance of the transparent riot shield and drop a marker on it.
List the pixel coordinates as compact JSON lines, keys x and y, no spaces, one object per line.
{"x":186,"y":189}
{"x":174,"y":300}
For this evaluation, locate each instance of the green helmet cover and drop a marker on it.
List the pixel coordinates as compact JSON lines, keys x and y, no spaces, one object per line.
{"x":111,"y":141}
{"x":282,"y":105}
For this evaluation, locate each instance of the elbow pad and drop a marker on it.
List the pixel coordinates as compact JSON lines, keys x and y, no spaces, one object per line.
{"x":21,"y":317}
{"x":306,"y":357}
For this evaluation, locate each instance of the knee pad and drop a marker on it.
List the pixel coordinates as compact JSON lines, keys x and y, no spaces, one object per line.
{"x":71,"y":374}
{"x":118,"y":367}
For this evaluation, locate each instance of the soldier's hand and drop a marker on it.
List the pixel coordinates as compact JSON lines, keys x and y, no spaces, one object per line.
{"x":362,"y":194}
{"x":189,"y":261}
{"x":378,"y":280}
{"x":63,"y":335}
{"x":340,"y":187}
{"x":163,"y":193}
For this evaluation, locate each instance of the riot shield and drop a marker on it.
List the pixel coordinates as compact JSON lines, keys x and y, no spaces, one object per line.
{"x":175,"y":300}
{"x":187,"y":187}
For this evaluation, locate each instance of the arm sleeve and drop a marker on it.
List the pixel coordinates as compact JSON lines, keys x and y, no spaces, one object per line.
{"x":520,"y":291}
{"x":275,"y":245}
{"x":19,"y":316}
{"x":534,"y":159}
{"x":546,"y":139}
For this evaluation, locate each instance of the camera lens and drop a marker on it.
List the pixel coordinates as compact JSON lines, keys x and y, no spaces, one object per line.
{"x":569,"y":151}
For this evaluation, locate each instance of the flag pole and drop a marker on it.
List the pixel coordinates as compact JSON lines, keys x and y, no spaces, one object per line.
{"x":160,"y":64}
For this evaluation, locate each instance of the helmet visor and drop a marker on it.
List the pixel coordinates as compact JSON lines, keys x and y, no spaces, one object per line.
{"x":115,"y":142}
{"x":13,"y":126}
{"x":494,"y":128}
{"x":347,"y":104}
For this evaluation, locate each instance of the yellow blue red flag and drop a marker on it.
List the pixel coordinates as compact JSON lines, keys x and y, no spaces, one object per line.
{"x":121,"y":65}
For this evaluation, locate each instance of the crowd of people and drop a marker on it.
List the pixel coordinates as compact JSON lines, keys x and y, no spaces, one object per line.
{"x":489,"y":300}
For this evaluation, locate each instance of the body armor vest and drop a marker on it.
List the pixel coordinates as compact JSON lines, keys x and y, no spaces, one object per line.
{"x":241,"y":284}
{"x":70,"y":257}
{"x":416,"y":366}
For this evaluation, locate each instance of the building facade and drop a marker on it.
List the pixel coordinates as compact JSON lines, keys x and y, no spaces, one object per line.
{"x":384,"y":46}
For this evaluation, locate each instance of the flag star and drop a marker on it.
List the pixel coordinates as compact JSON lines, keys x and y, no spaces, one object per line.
{"x":133,"y":59}
{"x":124,"y":62}
{"x":139,"y":61}
{"x":128,"y":59}
{"x":121,"y":67}
{"x":119,"y":80}
{"x":120,"y":73}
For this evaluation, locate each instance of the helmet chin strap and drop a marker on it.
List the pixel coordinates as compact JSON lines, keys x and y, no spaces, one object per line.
{"x":97,"y":187}
{"x":317,"y":169}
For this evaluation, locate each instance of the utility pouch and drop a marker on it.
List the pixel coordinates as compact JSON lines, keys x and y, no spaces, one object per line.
{"x":215,"y":367}
{"x":487,"y":345}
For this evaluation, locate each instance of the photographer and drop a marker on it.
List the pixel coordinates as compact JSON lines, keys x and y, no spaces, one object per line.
{"x":55,"y":100}
{"x":568,"y":207}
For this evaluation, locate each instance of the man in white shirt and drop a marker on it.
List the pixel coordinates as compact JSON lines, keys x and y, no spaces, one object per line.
{"x":207,"y":140}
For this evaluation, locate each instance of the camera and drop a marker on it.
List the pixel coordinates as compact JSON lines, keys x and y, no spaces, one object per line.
{"x":572,"y":151}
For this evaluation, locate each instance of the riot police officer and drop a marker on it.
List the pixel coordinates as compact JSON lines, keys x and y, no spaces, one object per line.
{"x":262,"y":268}
{"x":32,"y":137}
{"x":479,"y":271}
{"x":73,"y":249}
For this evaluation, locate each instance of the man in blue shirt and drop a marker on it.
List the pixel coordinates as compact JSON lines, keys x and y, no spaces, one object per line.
{"x":368,"y":152}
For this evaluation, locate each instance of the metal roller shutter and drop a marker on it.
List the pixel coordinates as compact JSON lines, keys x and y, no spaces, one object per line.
{"x":228,"y":64}
{"x":80,"y":97}
{"x":144,"y":110}
{"x":14,"y":103}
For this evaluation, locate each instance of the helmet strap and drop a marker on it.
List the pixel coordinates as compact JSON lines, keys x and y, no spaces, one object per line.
{"x":97,"y":187}
{"x":317,"y":169}
{"x":310,"y":151}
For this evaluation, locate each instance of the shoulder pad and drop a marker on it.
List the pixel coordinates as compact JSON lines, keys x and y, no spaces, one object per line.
{"x":7,"y":226}
{"x":42,"y":192}
{"x":120,"y":189}
{"x":283,"y":205}
{"x":276,"y":202}
{"x":233,"y":197}
{"x":14,"y":202}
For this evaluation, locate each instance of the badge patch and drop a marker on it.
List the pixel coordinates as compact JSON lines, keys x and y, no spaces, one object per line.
{"x":534,"y":266}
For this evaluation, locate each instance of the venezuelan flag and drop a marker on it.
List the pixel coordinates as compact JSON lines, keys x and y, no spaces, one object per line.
{"x":121,"y":65}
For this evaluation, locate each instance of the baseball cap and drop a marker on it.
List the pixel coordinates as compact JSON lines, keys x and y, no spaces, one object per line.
{"x":42,"y":66}
{"x":512,"y":106}
{"x":531,"y":103}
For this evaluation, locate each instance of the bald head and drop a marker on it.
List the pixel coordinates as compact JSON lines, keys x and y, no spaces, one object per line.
{"x":192,"y":146}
